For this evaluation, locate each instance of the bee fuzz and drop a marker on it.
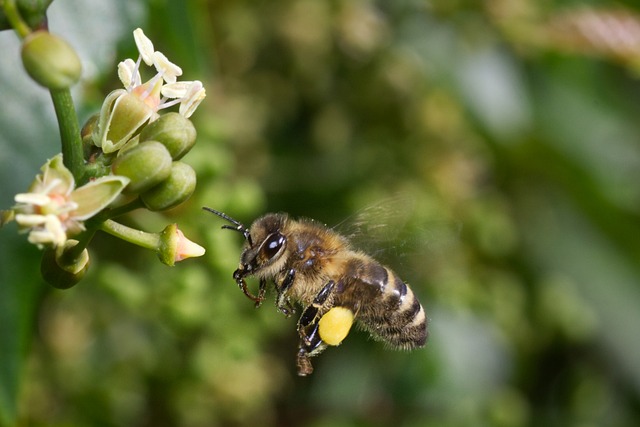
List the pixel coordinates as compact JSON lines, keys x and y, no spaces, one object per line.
{"x":334,"y":326}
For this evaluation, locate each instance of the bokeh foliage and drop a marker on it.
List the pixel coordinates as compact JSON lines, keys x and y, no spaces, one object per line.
{"x":510,"y":126}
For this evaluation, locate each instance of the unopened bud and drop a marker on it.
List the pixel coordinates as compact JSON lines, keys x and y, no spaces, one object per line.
{"x":177,"y":188}
{"x":61,"y":268}
{"x":175,"y":247}
{"x":146,"y":165}
{"x":50,"y":61}
{"x":176,"y":132}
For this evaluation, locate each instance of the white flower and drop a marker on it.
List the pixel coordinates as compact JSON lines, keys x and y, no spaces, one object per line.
{"x":53,"y":208}
{"x":125,"y":111}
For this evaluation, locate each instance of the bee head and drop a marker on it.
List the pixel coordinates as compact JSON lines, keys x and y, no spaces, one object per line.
{"x":265,"y":242}
{"x":268,"y":245}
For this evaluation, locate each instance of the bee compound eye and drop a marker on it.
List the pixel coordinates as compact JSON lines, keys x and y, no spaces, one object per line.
{"x":272,"y":245}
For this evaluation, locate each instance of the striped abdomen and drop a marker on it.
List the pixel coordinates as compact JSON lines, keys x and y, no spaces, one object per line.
{"x":384,"y":304}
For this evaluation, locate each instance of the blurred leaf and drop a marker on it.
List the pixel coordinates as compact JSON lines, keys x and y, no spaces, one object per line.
{"x":20,"y":290}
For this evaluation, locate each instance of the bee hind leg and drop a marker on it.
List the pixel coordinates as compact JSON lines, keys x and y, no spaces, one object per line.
{"x":311,"y":343}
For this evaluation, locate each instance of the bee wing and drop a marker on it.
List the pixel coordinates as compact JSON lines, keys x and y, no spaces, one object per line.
{"x":378,"y":222}
{"x":393,"y":229}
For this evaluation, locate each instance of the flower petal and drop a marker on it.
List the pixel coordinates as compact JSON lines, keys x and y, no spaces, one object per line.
{"x":186,"y":248}
{"x":145,"y":46}
{"x":97,"y":195}
{"x":37,"y":199}
{"x":52,"y":233}
{"x":122,"y":121}
{"x":176,"y":90}
{"x":193,"y":98}
{"x":128,"y":73}
{"x":55,"y":178}
{"x":30,"y":220}
{"x":166,"y":68}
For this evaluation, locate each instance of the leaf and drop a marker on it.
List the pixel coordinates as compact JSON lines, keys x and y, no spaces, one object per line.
{"x":20,"y":289}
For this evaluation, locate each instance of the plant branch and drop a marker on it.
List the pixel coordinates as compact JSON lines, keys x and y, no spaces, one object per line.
{"x":131,"y":235}
{"x":13,"y":16}
{"x":72,"y":154}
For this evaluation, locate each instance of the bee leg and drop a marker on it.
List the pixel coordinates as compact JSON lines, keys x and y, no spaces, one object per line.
{"x":239,"y":278}
{"x":261,"y":291}
{"x":306,"y":352}
{"x":308,"y":322}
{"x":282,"y":300}
{"x":304,"y":364}
{"x":310,"y":345}
{"x":310,"y":342}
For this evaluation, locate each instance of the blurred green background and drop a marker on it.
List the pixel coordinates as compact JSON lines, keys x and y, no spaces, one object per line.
{"x":510,"y":126}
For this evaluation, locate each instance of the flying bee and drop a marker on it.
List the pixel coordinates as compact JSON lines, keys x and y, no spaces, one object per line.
{"x":336,"y":284}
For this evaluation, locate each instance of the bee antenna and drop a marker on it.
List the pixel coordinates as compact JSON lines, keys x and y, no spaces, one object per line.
{"x":237,"y":225}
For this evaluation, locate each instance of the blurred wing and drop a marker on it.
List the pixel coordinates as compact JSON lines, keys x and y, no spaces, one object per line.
{"x":378,"y":223}
{"x":393,"y":229}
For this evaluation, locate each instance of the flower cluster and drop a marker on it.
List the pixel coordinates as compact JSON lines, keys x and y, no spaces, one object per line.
{"x":125,"y":111}
{"x":128,"y":157}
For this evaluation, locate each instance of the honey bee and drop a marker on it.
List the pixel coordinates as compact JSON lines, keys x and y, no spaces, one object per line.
{"x":317,"y":267}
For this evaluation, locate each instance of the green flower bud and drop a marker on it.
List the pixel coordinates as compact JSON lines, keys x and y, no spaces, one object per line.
{"x":50,"y":61}
{"x":177,"y":188}
{"x":86,"y":133}
{"x":61,"y":267}
{"x":175,"y":247}
{"x":146,"y":165}
{"x":89,"y":127}
{"x":176,"y":132}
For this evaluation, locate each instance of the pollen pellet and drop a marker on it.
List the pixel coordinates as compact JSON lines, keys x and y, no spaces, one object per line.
{"x":334,"y":326}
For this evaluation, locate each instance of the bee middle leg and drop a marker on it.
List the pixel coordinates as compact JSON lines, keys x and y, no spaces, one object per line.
{"x":311,"y":343}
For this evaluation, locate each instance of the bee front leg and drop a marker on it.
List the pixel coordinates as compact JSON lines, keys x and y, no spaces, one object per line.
{"x":238,"y":276}
{"x":282,"y":300}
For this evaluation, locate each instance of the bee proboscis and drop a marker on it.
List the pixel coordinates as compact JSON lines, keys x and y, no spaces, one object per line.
{"x":316,"y":267}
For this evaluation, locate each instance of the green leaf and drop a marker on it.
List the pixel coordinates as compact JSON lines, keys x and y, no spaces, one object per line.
{"x":20,"y":289}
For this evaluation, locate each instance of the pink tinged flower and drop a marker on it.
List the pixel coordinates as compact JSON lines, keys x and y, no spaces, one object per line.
{"x":125,"y":111}
{"x":54,"y":209}
{"x":174,"y":246}
{"x":121,"y":115}
{"x":186,"y":248}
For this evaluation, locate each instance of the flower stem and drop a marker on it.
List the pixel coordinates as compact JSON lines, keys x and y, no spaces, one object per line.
{"x":131,"y":235}
{"x":84,"y":239}
{"x":121,"y":210}
{"x":13,"y":16}
{"x":72,"y":155}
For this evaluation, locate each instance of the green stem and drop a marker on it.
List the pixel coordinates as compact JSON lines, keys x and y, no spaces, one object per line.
{"x":72,"y":154}
{"x":83,"y":241}
{"x":95,"y":223}
{"x":141,"y":238}
{"x":13,"y":16}
{"x":121,"y":210}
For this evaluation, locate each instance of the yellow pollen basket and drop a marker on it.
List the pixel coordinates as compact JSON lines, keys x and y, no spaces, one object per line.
{"x":334,"y":326}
